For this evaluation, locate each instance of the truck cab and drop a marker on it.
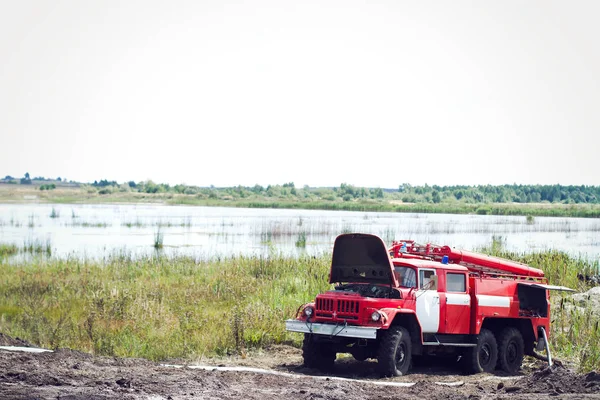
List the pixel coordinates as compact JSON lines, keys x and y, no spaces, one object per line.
{"x":393,"y":304}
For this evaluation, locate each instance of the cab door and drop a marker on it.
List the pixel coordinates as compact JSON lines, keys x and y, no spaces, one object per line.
{"x":428,"y":301}
{"x":457,"y":304}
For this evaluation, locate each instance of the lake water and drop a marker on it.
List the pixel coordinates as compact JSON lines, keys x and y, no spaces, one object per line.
{"x":96,"y":231}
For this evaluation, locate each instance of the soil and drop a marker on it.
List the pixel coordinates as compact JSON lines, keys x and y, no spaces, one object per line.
{"x":68,"y":374}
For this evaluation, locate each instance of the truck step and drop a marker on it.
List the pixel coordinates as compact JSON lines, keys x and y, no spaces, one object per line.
{"x":449,"y":344}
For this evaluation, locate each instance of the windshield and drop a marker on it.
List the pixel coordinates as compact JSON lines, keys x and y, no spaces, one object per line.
{"x":406,"y":276}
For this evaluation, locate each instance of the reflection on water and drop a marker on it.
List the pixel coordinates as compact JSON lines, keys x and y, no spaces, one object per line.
{"x":97,"y":231}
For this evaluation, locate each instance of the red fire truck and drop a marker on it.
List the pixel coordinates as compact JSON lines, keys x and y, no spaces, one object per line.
{"x":412,"y":301}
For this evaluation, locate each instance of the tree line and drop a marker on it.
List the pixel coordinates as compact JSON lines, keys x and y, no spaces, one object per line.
{"x":568,"y":194}
{"x":407,"y":193}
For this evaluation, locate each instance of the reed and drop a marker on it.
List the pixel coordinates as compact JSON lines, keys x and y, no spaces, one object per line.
{"x":301,"y":241}
{"x":160,"y":307}
{"x":158,"y":239}
{"x":7,"y":249}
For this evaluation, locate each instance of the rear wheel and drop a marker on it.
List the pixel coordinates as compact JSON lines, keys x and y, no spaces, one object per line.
{"x":317,"y":355}
{"x":395,"y":352}
{"x":484,"y":356}
{"x":510,"y":350}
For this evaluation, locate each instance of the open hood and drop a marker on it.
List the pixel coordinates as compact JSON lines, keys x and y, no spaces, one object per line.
{"x":358,"y":257}
{"x":547,"y":287}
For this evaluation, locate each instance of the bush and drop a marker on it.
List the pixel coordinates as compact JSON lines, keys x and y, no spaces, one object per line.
{"x":483,"y":210}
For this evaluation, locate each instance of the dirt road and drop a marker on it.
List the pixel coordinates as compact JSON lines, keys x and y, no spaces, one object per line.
{"x":67,"y":374}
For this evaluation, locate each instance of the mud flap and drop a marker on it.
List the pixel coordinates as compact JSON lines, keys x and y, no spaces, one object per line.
{"x":541,"y":344}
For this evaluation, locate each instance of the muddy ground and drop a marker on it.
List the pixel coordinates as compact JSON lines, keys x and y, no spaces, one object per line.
{"x":67,"y":374}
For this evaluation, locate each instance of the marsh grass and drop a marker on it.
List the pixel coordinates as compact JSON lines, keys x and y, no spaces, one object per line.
{"x":30,"y":246}
{"x":8,"y":249}
{"x":161,"y":307}
{"x":37,"y":246}
{"x":301,"y":241}
{"x":134,"y":224}
{"x":158,"y":239}
{"x":186,"y":223}
{"x":89,"y":224}
{"x":576,"y":333}
{"x":552,"y":210}
{"x":55,"y":213}
{"x":158,"y":307}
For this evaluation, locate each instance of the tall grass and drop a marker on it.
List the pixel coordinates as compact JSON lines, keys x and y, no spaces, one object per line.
{"x":31,"y":246}
{"x":158,"y":307}
{"x":87,"y":224}
{"x":158,"y":239}
{"x":553,"y":210}
{"x":37,"y":246}
{"x":55,"y":213}
{"x":8,"y":249}
{"x":301,"y":241}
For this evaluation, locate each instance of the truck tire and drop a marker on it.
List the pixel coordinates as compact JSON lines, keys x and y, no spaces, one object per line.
{"x":317,"y":355}
{"x":511,"y":349}
{"x":484,"y":356}
{"x":395,"y":352}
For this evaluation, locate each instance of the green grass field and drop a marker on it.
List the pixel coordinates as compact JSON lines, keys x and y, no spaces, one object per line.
{"x":160,"y":308}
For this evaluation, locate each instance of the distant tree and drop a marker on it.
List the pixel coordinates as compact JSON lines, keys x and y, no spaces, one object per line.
{"x":257,"y":189}
{"x":104,"y":183}
{"x":26,"y":180}
{"x":179,"y":188}
{"x":377,"y":193}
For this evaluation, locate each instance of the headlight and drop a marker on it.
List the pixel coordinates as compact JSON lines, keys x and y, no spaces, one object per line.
{"x":308,"y":311}
{"x":376,"y":316}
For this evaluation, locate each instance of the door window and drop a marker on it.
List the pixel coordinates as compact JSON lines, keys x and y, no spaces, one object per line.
{"x":456,"y":282}
{"x":427,"y":280}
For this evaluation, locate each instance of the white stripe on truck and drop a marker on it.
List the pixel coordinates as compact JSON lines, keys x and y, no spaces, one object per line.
{"x":458,"y":299}
{"x":493,"y":301}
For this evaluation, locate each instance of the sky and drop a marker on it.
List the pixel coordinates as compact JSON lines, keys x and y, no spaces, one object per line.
{"x":370,"y":93}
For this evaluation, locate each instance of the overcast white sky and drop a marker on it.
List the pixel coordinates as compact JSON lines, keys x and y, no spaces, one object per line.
{"x":323,"y":92}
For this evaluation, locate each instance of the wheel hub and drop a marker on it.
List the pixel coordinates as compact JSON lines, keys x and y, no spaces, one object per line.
{"x":485,"y":354}
{"x":400,"y":355}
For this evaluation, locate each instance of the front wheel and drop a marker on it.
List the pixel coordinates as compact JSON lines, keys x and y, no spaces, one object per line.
{"x":395,"y":352}
{"x":316,"y":355}
{"x":484,"y":356}
{"x":511,"y":350}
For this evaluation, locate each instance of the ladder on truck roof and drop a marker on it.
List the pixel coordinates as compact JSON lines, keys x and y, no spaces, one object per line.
{"x":474,"y":262}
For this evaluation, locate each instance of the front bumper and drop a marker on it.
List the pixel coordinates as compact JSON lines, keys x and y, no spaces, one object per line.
{"x":359,"y":332}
